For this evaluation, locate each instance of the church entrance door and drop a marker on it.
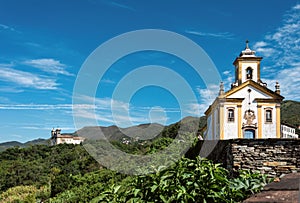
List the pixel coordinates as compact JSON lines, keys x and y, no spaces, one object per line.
{"x":249,"y":134}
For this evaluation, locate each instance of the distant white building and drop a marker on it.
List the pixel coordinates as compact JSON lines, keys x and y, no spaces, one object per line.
{"x":288,"y":131}
{"x":58,"y":138}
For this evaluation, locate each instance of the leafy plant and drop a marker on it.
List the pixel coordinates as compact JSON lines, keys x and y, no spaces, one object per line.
{"x":248,"y":183}
{"x":188,"y":181}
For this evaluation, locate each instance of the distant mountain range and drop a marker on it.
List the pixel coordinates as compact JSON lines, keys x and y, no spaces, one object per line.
{"x":6,"y":145}
{"x":115,"y":133}
{"x":290,"y":114}
{"x":143,"y":131}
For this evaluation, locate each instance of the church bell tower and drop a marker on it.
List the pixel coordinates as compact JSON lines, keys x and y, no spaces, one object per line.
{"x":247,"y":66}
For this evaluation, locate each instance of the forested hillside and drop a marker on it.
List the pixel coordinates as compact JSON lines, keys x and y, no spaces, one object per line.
{"x":40,"y":165}
{"x":67,"y":173}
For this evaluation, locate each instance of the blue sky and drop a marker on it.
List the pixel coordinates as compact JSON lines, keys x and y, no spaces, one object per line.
{"x":43,"y":45}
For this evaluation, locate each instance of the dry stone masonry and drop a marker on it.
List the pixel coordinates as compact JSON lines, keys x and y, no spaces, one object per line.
{"x":274,"y":157}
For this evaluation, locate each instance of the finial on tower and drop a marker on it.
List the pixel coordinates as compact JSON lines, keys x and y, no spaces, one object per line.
{"x":247,"y":52}
{"x":277,"y":88}
{"x":221,"y":91}
{"x":247,"y":44}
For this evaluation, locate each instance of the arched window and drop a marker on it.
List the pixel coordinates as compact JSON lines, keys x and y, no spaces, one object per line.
{"x":249,"y":72}
{"x":268,"y":115}
{"x":231,"y":115}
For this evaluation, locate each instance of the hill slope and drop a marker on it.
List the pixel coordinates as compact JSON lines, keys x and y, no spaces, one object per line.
{"x":114,"y":133}
{"x":290,"y":113}
{"x":6,"y":145}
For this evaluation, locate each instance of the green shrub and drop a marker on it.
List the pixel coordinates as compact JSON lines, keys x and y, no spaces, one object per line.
{"x":188,"y":181}
{"x":25,"y":194}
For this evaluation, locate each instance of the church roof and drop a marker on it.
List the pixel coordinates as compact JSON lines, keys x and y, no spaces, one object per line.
{"x":255,"y":85}
{"x":224,"y":97}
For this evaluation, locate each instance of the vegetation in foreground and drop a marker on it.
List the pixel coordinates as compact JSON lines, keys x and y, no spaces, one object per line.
{"x":67,"y":173}
{"x":188,"y":181}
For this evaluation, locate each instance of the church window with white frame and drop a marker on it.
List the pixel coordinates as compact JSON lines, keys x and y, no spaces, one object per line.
{"x":268,"y":115}
{"x":230,"y":114}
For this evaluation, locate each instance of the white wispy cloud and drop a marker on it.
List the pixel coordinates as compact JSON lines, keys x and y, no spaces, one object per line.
{"x":205,"y":96}
{"x":289,"y":82}
{"x":107,"y":110}
{"x":227,"y":72}
{"x":10,"y":89}
{"x":99,"y":103}
{"x":39,"y":127}
{"x":281,"y":50}
{"x":195,"y":109}
{"x":228,"y":77}
{"x":120,"y":113}
{"x":37,"y":106}
{"x":115,"y":4}
{"x":121,"y":5}
{"x":264,"y":48}
{"x":49,"y":65}
{"x":107,"y":81}
{"x":6,"y":27}
{"x":120,"y":118}
{"x":225,"y":35}
{"x":297,"y":7}
{"x":26,"y":79}
{"x":4,"y":100}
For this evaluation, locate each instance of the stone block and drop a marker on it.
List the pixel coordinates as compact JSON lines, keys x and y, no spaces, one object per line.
{"x":236,"y":164}
{"x":271,"y":150}
{"x":263,"y":154}
{"x":249,"y":149}
{"x":286,"y":167}
{"x":274,"y":163}
{"x":266,"y":168}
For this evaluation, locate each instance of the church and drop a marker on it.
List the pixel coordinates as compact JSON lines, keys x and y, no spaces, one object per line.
{"x":249,"y":109}
{"x":63,"y":138}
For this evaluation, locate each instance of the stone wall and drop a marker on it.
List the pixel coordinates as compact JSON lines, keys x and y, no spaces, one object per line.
{"x":273,"y":157}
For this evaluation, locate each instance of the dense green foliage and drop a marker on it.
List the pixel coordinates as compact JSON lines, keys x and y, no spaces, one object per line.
{"x":41,"y":166}
{"x":187,"y":181}
{"x":67,"y":173}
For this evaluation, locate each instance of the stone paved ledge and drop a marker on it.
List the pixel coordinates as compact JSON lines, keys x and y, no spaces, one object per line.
{"x":286,"y":190}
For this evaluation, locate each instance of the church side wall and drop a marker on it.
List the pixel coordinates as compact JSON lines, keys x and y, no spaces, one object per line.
{"x":269,"y":129}
{"x":217,"y":124}
{"x":213,"y":125}
{"x":209,"y":128}
{"x":230,"y":128}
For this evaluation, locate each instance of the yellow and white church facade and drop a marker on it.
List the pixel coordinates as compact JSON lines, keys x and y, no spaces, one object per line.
{"x":249,"y":109}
